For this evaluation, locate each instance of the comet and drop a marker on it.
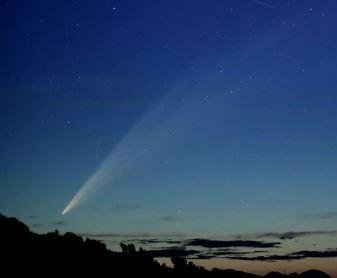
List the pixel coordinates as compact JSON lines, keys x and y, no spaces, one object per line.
{"x":169,"y":124}
{"x":145,"y":136}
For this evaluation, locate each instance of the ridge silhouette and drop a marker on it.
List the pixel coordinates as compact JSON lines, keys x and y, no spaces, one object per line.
{"x":24,"y":253}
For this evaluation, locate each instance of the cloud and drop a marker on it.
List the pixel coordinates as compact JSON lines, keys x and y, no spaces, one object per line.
{"x":231,"y":252}
{"x":224,"y":254}
{"x":59,"y":223}
{"x":287,"y":235}
{"x":293,"y":256}
{"x":207,"y":243}
{"x":152,"y":241}
{"x":193,"y":254}
{"x":182,"y":251}
{"x":317,"y":254}
{"x":266,"y":258}
{"x":172,"y":252}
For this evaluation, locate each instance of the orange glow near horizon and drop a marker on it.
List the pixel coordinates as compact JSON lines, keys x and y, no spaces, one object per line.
{"x":327,"y":265}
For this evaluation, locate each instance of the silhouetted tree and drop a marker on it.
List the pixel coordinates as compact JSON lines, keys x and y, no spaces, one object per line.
{"x":128,"y":248}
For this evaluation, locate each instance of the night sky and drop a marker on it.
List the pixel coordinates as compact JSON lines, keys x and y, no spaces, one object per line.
{"x":212,"y":119}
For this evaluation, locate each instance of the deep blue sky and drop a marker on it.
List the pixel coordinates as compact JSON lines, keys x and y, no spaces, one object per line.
{"x":252,"y":150}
